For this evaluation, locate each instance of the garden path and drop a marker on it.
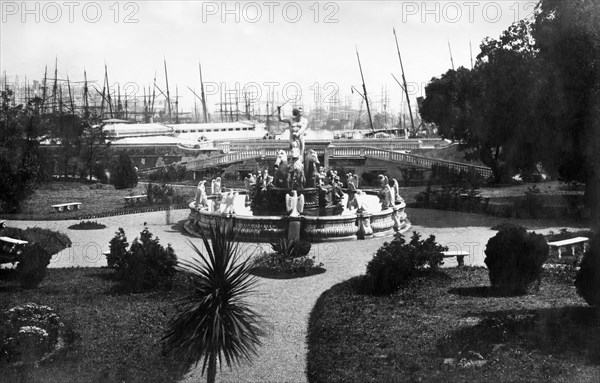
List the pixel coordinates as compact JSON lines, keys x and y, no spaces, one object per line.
{"x":285,"y":304}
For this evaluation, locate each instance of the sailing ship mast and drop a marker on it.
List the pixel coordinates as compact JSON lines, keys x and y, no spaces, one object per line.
{"x":108,"y":91}
{"x":405,"y":87}
{"x":364,"y":91}
{"x":451,"y":59}
{"x":203,"y":96}
{"x":44,"y":90}
{"x":471,"y":51}
{"x":168,"y":95}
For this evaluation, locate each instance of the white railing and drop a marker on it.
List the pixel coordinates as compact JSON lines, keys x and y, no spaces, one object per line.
{"x":393,"y":156}
{"x":270,"y":149}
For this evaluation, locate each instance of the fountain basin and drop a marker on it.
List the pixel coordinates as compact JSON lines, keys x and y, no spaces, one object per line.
{"x":348,"y":226}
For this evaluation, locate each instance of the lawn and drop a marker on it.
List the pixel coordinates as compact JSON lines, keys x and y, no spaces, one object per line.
{"x":452,"y":328}
{"x":97,"y":200}
{"x":109,"y":337}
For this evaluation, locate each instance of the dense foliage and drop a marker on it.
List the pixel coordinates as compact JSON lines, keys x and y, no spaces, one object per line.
{"x":164,"y":194}
{"x":397,"y":262}
{"x":146,"y":265}
{"x":52,"y":241}
{"x":514,"y":258}
{"x":33,"y":261}
{"x":35,"y":256}
{"x":588,"y":277}
{"x":532,"y":97}
{"x":170,"y":173}
{"x":20,"y":163}
{"x":124,"y":173}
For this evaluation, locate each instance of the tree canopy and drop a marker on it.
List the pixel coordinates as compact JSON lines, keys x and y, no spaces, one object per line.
{"x":533,"y":97}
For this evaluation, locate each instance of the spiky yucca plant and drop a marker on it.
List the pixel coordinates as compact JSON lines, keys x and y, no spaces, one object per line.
{"x":215,"y":322}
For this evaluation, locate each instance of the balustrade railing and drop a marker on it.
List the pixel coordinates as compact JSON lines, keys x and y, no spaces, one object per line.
{"x":394,"y":156}
{"x":270,"y":149}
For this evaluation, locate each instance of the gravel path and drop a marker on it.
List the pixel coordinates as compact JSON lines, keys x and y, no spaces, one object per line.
{"x":285,"y":304}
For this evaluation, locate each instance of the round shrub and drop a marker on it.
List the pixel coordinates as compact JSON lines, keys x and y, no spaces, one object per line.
{"x":397,"y":262}
{"x":33,"y":261}
{"x":52,"y":241}
{"x":587,"y":281}
{"x":28,"y":332}
{"x":514,"y":259}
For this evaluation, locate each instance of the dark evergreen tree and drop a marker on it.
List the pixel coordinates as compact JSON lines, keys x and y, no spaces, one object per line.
{"x":21,"y":126}
{"x":124,"y":173}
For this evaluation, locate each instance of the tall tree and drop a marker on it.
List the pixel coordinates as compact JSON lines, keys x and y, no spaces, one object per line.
{"x":450,"y":103}
{"x":492,"y":108}
{"x":505,"y":124}
{"x":567,"y":35}
{"x":94,"y":144}
{"x":20,"y":170}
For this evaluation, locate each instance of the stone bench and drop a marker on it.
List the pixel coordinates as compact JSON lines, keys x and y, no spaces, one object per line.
{"x":66,"y":206}
{"x":134,"y":199}
{"x":569,"y":243}
{"x":459,"y":254}
{"x":2,"y":224}
{"x":10,"y":245}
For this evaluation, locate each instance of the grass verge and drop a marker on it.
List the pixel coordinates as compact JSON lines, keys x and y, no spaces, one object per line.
{"x":109,"y":337}
{"x":97,"y":200}
{"x":453,"y":328}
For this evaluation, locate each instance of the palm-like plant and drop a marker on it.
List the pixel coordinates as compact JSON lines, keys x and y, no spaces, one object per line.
{"x":215,"y":322}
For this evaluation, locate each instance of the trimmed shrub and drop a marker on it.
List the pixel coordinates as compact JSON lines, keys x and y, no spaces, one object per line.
{"x":124,"y":174}
{"x":587,"y":281}
{"x":514,"y":258}
{"x":52,"y":241}
{"x":117,"y":257}
{"x":33,"y":261}
{"x":397,"y":262}
{"x":145,"y":266}
{"x":87,"y":225}
{"x":36,"y":255}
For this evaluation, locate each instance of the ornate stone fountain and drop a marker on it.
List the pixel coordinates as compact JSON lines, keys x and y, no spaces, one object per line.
{"x":300,"y":201}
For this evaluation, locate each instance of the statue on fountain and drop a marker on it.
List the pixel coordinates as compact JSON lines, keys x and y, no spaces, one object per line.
{"x":216,"y":186}
{"x":397,"y":198}
{"x":201,"y":198}
{"x":386,"y":194}
{"x":229,"y":199}
{"x":282,"y":172}
{"x":294,"y":204}
{"x":298,"y":125}
{"x":352,"y":187}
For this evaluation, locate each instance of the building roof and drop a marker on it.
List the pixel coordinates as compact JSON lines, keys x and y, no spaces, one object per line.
{"x":130,"y":130}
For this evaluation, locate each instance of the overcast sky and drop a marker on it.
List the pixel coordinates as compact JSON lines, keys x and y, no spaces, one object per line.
{"x":258,"y":45}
